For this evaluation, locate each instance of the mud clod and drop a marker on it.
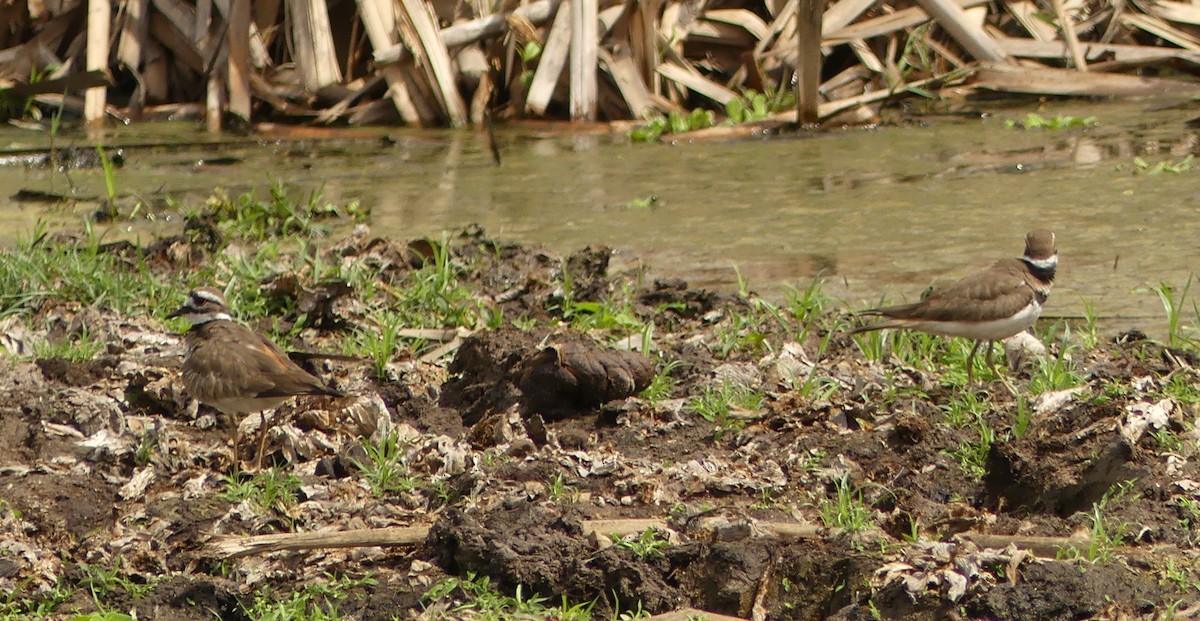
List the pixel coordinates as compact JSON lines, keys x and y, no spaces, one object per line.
{"x":578,"y":376}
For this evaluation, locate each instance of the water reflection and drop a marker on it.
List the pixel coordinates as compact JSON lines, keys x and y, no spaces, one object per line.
{"x":878,"y":212}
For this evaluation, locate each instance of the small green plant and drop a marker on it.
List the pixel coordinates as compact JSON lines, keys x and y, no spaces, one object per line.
{"x":972,"y":456}
{"x":873,"y":345}
{"x":270,"y":489}
{"x":1034,"y":120}
{"x":78,"y":347}
{"x":1183,"y":579}
{"x":434,"y":296}
{"x":105,"y":615}
{"x":559,"y":490}
{"x":1167,"y":440}
{"x":147,"y":443}
{"x":618,"y":317}
{"x":744,"y":332}
{"x":529,"y":53}
{"x":964,"y":408}
{"x":675,"y":122}
{"x":386,"y":469}
{"x":663,"y":383}
{"x":815,"y":387}
{"x":805,"y":306}
{"x":846,"y":510}
{"x":1173,"y":302}
{"x":1189,"y":510}
{"x":379,"y":343}
{"x":719,"y":404}
{"x":646,"y":544}
{"x":110,"y":175}
{"x":474,"y":597}
{"x":645,"y":202}
{"x":917,"y":56}
{"x":1111,"y":390}
{"x":105,"y":582}
{"x":314,"y":602}
{"x":82,"y":272}
{"x":1142,"y":167}
{"x":1105,"y":534}
{"x":1057,"y":372}
{"x":756,"y":106}
{"x":1089,"y":335}
{"x":253,"y":219}
{"x":1023,"y":418}
{"x":1183,"y":387}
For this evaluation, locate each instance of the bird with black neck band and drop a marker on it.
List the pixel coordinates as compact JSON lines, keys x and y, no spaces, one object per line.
{"x":235,"y":370}
{"x":987,"y":306}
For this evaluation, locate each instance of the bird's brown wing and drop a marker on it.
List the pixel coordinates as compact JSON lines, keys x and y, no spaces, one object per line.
{"x":243,"y":364}
{"x":999,"y":292}
{"x":288,"y":377}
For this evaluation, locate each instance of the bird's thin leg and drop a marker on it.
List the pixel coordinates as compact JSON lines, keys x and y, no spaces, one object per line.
{"x":233,"y":446}
{"x":971,"y":362}
{"x":991,"y":345}
{"x":262,"y":440}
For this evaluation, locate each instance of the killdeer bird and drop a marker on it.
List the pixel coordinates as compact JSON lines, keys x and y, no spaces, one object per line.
{"x":990,"y":305}
{"x":236,"y":370}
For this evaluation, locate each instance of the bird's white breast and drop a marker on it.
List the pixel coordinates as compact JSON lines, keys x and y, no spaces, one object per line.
{"x":992,"y":330}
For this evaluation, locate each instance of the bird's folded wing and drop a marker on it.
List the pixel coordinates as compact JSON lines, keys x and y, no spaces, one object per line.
{"x":221,"y":373}
{"x":975,"y":300}
{"x":284,"y":377}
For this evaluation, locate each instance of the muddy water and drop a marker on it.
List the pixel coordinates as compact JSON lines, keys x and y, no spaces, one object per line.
{"x":880,"y":212}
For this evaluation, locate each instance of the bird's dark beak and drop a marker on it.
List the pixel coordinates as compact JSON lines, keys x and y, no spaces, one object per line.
{"x":178,"y":313}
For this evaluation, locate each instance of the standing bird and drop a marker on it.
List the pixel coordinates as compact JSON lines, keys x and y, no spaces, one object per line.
{"x":989,"y":305}
{"x":236,"y":370}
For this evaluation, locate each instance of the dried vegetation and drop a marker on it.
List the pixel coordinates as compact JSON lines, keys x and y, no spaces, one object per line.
{"x":439,"y":63}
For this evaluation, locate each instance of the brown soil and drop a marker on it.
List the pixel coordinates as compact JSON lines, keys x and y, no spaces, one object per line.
{"x":516,"y":450}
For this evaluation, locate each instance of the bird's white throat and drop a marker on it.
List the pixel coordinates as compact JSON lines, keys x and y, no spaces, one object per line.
{"x":1043,"y":264}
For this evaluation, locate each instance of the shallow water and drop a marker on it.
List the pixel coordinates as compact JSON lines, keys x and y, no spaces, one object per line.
{"x":879,"y":212}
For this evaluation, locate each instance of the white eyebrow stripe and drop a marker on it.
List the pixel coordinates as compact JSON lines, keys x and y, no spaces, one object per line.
{"x":210,"y":297}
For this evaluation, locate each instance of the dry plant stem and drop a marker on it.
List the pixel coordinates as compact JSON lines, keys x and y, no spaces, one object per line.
{"x":1068,"y":29}
{"x":887,"y":24}
{"x":691,"y":614}
{"x":843,"y":13}
{"x":238,"y":72}
{"x":420,"y":16}
{"x":469,"y":32}
{"x":99,"y":18}
{"x":134,"y":32}
{"x":1026,"y":48}
{"x":552,"y":61}
{"x":313,"y":40}
{"x":1160,"y":28}
{"x":1025,"y":12}
{"x":1012,"y":79}
{"x":379,"y":21}
{"x":584,"y":40}
{"x":237,"y":546}
{"x":809,"y":35}
{"x":951,"y":17}
{"x":600,"y":531}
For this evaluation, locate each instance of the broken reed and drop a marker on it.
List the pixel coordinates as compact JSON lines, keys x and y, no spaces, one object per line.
{"x":420,"y":63}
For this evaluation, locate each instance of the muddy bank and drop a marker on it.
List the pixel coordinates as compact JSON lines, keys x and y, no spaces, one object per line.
{"x":499,"y":417}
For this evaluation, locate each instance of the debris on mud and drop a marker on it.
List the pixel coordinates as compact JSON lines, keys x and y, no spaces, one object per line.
{"x":509,"y":402}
